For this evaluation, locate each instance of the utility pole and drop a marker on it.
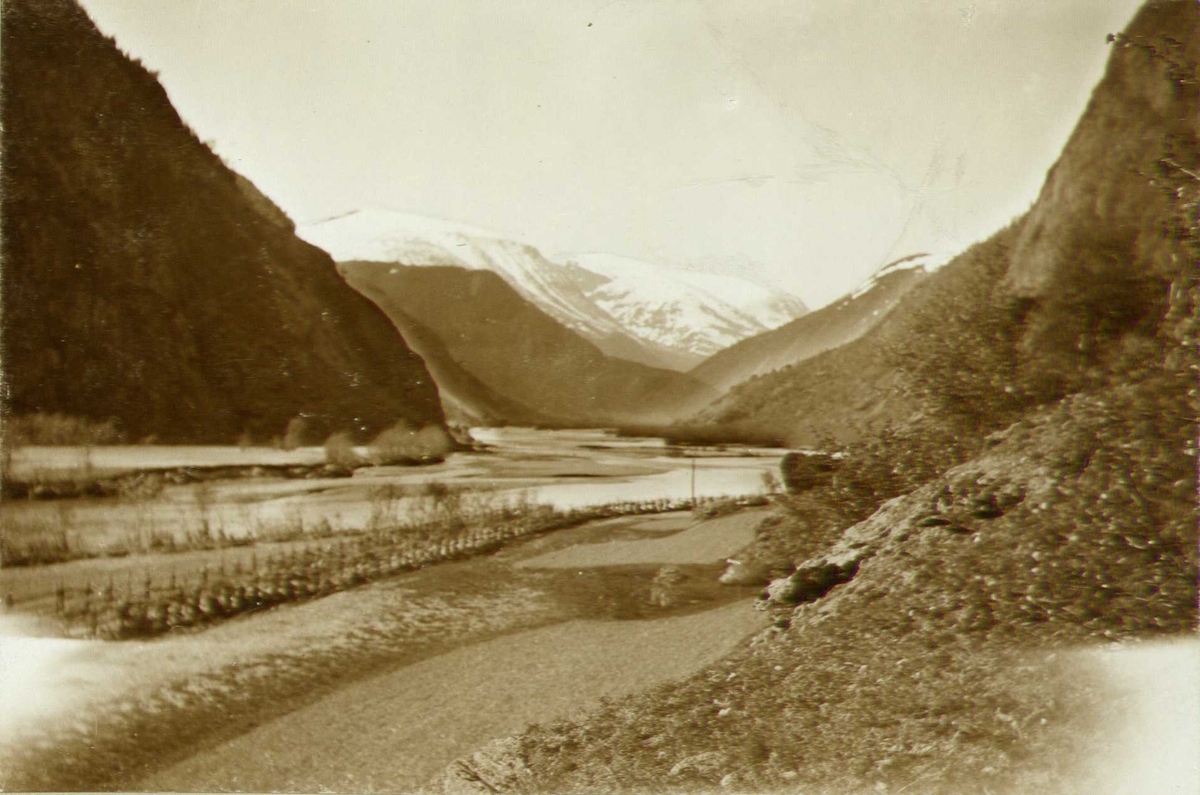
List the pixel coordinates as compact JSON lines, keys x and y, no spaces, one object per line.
{"x":693,"y":481}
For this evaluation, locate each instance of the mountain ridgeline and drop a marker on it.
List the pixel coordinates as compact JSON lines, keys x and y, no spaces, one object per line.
{"x":635,"y":310}
{"x":830,"y":327}
{"x":146,"y":283}
{"x":508,"y":358}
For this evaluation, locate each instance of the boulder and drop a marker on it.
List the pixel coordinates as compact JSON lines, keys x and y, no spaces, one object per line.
{"x":703,"y":765}
{"x":664,"y":589}
{"x":814,"y":579}
{"x":744,"y":572}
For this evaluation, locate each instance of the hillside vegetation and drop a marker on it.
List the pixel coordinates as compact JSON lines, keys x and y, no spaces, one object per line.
{"x":528,"y":362}
{"x":1035,"y":493}
{"x":829,"y":327}
{"x":147,"y":284}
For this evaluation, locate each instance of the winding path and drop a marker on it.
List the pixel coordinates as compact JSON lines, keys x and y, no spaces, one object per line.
{"x":396,"y":732}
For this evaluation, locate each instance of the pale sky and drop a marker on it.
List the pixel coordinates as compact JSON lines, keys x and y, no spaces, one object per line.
{"x":801,"y":144}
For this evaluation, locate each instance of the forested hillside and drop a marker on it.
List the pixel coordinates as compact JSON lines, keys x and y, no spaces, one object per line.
{"x":147,"y":284}
{"x":833,"y":326}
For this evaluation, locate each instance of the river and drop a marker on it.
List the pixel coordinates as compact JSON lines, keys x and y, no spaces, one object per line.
{"x":563,"y":468}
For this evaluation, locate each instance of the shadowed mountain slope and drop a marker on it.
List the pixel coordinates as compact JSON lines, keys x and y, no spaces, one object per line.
{"x":844,"y":391}
{"x":465,"y":399}
{"x":516,"y":350}
{"x":145,"y":282}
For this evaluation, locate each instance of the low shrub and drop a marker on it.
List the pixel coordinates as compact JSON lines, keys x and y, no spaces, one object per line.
{"x":340,"y":452}
{"x":296,"y":434}
{"x":402,"y":444}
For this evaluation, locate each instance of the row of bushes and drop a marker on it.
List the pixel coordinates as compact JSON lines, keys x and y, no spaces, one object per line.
{"x":399,"y":443}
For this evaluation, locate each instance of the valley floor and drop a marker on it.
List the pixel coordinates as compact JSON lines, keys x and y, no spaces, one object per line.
{"x":378,"y":688}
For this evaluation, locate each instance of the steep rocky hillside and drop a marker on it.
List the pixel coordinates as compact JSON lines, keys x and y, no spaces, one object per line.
{"x":923,"y":649}
{"x":147,"y":283}
{"x":1044,"y":306}
{"x":1036,"y":496}
{"x":517,"y":351}
{"x":829,"y":327}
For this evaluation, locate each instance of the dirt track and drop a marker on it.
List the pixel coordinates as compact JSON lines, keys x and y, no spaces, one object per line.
{"x":394,"y":732}
{"x":397,"y":731}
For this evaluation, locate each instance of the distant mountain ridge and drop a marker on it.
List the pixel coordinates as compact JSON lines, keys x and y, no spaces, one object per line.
{"x":631,"y":309}
{"x":146,"y":283}
{"x":837,"y":324}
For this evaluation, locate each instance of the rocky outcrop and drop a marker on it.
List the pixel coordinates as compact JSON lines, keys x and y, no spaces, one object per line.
{"x":814,"y":579}
{"x":497,"y":767}
{"x":1100,"y":199}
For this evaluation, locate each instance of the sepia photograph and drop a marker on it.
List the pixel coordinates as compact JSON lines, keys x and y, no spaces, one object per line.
{"x":522,"y":397}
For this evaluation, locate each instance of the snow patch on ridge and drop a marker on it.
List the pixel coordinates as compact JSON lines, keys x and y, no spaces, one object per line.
{"x":926,"y":262}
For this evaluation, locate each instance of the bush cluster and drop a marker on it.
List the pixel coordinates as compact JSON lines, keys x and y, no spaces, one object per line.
{"x":403,"y":444}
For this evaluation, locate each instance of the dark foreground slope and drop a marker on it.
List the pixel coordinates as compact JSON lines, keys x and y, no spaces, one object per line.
{"x":1038,"y":497}
{"x":145,"y":282}
{"x":516,"y":350}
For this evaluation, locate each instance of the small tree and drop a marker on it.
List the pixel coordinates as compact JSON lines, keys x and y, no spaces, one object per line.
{"x":340,"y":452}
{"x":296,"y":434}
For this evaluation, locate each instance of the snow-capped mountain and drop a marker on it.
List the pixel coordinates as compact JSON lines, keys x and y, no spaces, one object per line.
{"x":631,"y":309}
{"x":697,"y":312}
